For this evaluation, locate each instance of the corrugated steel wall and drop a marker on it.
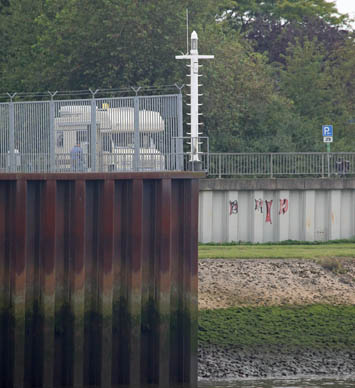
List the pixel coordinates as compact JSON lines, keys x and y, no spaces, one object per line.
{"x":98,"y":279}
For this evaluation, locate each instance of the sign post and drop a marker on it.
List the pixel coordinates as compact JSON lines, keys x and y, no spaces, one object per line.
{"x":327,"y":131}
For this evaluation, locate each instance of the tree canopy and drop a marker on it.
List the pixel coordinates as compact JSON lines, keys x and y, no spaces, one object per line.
{"x":282,"y":68}
{"x":243,"y":13}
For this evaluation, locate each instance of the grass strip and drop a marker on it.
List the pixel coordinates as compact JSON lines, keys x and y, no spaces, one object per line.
{"x":277,"y":251}
{"x":314,"y":326}
{"x":286,"y":242}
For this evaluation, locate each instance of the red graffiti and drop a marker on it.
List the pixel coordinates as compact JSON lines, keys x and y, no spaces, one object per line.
{"x":283,"y":206}
{"x":233,"y":207}
{"x":268,"y":211}
{"x":259,"y":205}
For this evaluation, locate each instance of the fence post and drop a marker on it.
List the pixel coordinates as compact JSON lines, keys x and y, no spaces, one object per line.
{"x":93,"y":133}
{"x":136,"y":130}
{"x":51,"y":133}
{"x":271,"y":166}
{"x":180,"y":148}
{"x":11,"y":159}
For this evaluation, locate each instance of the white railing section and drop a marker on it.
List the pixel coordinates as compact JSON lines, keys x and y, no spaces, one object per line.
{"x":279,"y":164}
{"x":221,"y":165}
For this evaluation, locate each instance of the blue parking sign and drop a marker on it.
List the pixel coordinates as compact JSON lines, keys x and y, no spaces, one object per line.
{"x":327,"y":130}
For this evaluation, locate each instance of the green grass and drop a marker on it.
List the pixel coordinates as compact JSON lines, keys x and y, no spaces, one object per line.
{"x":288,"y":249}
{"x":315,"y":326}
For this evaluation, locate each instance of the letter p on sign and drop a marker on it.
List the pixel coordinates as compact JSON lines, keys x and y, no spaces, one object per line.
{"x":327,"y":130}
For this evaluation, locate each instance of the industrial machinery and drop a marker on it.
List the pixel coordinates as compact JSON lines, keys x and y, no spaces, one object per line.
{"x":116,"y":137}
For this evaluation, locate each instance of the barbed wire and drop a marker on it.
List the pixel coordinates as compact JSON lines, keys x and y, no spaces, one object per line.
{"x":89,"y":92}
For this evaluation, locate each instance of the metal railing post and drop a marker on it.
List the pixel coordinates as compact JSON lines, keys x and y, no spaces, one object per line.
{"x":51,"y":133}
{"x":219,"y":166}
{"x":136,"y":130}
{"x":93,"y":132}
{"x":328,"y":164}
{"x":271,"y":166}
{"x":208,"y":155}
{"x":322,"y":165}
{"x":11,"y":159}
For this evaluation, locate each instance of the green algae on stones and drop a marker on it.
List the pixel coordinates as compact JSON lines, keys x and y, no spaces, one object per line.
{"x":313,"y":326}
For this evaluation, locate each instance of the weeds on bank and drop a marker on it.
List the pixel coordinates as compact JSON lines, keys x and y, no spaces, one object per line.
{"x":332,"y":264}
{"x":315,"y":326}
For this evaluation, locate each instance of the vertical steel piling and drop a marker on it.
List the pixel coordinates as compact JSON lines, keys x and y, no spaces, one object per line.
{"x":98,"y":279}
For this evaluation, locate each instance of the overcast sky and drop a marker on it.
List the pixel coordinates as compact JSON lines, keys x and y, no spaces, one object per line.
{"x":346,"y":6}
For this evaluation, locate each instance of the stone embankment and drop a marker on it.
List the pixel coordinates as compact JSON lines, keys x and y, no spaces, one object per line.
{"x":254,"y":283}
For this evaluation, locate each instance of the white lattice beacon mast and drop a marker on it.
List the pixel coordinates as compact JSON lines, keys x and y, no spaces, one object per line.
{"x":194,"y":57}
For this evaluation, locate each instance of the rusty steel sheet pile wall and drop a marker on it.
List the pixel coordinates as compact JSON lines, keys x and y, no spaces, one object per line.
{"x":98,"y":279}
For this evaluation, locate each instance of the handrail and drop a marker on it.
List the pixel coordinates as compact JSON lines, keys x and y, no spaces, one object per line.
{"x":280,"y":164}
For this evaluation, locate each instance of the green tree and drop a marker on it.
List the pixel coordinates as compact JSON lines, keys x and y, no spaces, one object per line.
{"x":18,"y":34}
{"x":241,"y":14}
{"x":343,"y":76}
{"x":250,"y":105}
{"x":76,"y":44}
{"x":3,"y":5}
{"x":243,"y":110}
{"x":318,"y":97}
{"x":271,"y":25}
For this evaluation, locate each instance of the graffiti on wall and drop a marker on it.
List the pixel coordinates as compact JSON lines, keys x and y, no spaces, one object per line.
{"x":283,"y":206}
{"x":259,"y":207}
{"x":268,"y":211}
{"x":233,"y":207}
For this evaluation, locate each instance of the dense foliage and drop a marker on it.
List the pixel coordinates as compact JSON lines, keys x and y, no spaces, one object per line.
{"x":282,"y":68}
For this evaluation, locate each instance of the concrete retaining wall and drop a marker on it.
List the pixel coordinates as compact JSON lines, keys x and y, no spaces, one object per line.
{"x":261,"y":210}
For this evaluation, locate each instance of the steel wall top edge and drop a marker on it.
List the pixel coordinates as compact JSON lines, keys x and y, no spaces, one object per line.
{"x":102,"y":176}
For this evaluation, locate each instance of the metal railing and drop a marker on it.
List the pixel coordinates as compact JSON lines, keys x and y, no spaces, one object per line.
{"x":279,"y":164}
{"x":221,"y":165}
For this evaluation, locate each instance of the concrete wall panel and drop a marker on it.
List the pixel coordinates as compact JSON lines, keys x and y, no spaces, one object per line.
{"x":321,"y":216}
{"x":219,"y":216}
{"x":276,"y":210}
{"x":205,"y":216}
{"x":334,"y":213}
{"x":270,"y":221}
{"x":232,"y":216}
{"x":347,"y":214}
{"x":258,"y":216}
{"x":283,"y":216}
{"x":244,"y":218}
{"x":296,"y":216}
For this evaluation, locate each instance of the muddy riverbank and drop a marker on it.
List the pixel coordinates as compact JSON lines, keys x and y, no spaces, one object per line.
{"x":254,"y":282}
{"x":262,"y":318}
